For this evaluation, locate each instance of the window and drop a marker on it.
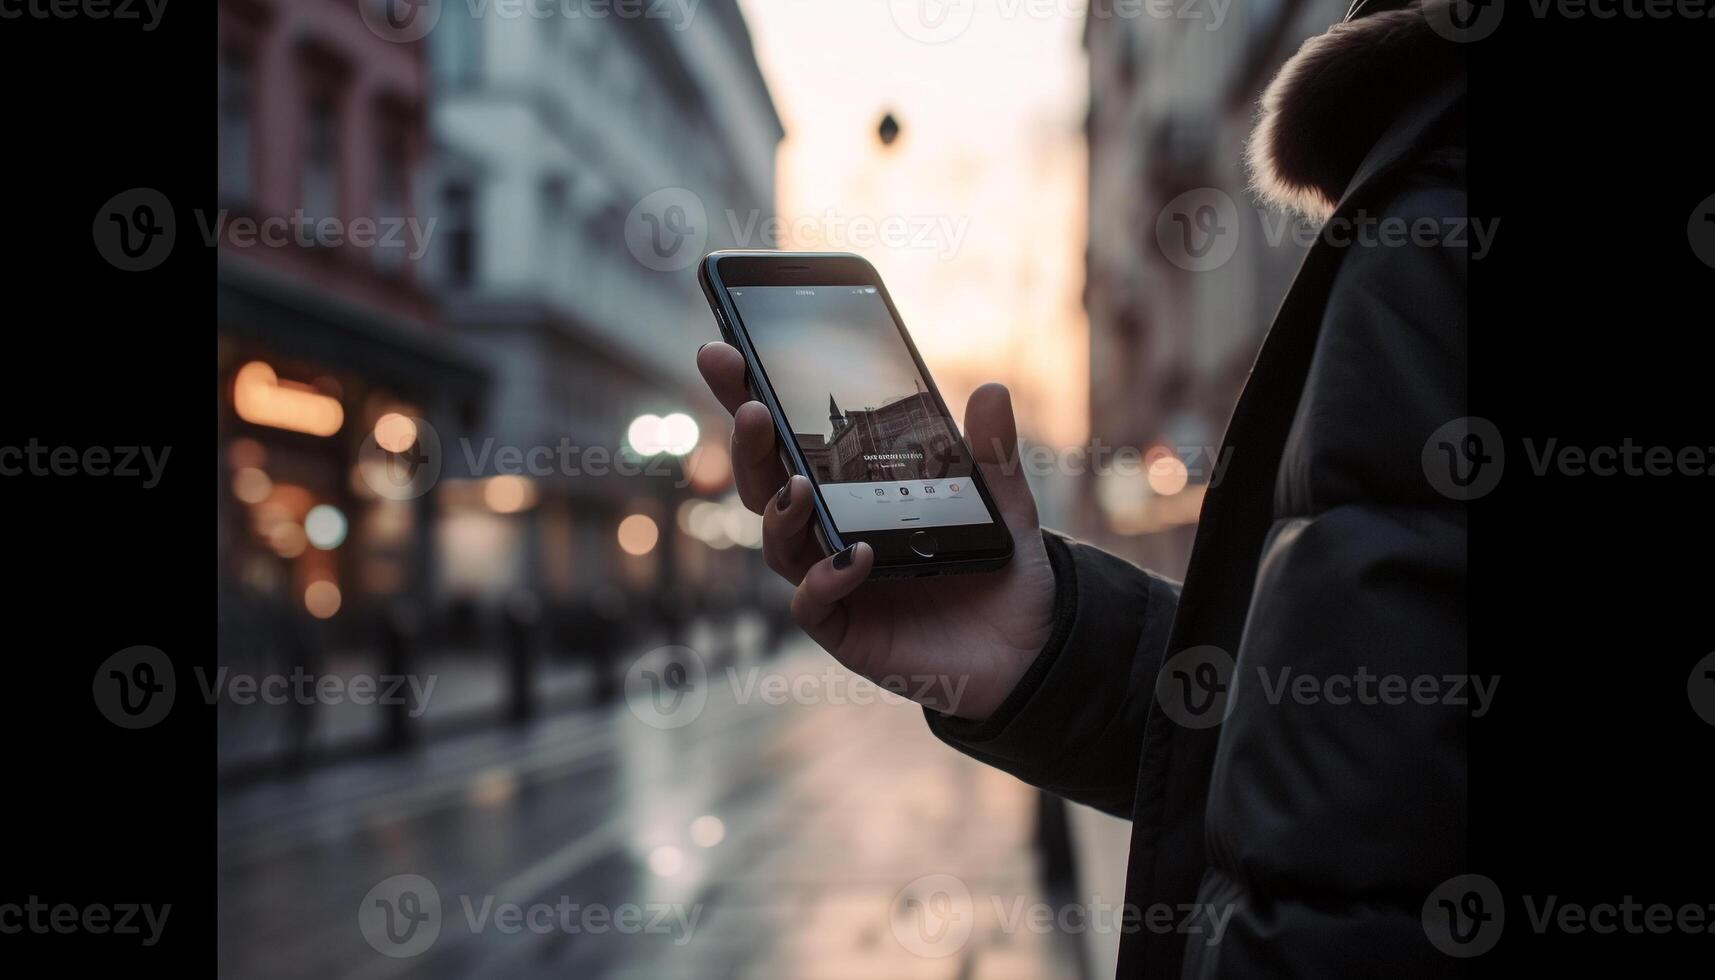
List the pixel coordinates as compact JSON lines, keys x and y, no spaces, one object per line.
{"x":393,"y":181}
{"x":320,"y":190}
{"x":234,"y":126}
{"x":458,"y":233}
{"x":555,"y":228}
{"x":456,"y":45}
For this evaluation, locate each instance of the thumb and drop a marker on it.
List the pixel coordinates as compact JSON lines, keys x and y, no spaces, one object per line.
{"x":993,"y":435}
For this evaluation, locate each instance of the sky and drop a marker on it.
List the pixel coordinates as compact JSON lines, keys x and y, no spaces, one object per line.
{"x":976,"y":215}
{"x":837,"y":343}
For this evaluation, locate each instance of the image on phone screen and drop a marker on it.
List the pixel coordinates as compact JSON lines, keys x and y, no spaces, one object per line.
{"x":870,"y":431}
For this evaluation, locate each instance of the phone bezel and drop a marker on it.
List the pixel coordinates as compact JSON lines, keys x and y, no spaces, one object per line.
{"x":962,"y":547}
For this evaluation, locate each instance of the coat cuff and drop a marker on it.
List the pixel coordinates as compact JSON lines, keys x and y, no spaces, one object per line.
{"x":1087,"y":693}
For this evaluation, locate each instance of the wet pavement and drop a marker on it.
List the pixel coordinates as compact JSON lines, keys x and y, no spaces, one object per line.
{"x":818,"y":838}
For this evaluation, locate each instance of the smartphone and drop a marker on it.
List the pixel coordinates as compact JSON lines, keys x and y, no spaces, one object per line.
{"x":856,"y":411}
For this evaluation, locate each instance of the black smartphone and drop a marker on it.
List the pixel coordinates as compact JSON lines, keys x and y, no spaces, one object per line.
{"x":856,"y":411}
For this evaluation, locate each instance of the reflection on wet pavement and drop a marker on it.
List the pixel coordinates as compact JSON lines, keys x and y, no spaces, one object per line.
{"x":814,"y":839}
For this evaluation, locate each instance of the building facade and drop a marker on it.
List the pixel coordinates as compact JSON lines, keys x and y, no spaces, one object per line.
{"x":326,"y":326}
{"x":549,"y":131}
{"x":1172,"y":332}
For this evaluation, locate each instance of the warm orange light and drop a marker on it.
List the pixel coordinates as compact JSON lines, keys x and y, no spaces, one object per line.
{"x":261,"y":398}
{"x":508,"y":494}
{"x":710,"y":467}
{"x":395,"y":433}
{"x":322,"y":599}
{"x":1167,"y":473}
{"x":638,"y":534}
{"x":251,"y":485}
{"x":246,"y":453}
{"x":287,"y":538}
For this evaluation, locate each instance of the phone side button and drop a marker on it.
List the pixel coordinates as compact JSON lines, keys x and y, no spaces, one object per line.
{"x":923,"y":543}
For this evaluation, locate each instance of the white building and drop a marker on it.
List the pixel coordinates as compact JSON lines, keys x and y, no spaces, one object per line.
{"x":552,"y":123}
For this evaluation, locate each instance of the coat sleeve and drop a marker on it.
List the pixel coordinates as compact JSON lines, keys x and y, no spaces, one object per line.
{"x":1074,"y":724}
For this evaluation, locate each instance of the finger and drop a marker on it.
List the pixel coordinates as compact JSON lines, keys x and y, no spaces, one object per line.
{"x":993,"y":434}
{"x":787,"y":544}
{"x":755,"y":464}
{"x":816,"y":606}
{"x":722,"y":367}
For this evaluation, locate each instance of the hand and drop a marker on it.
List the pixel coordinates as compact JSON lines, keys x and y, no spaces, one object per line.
{"x":956,"y":643}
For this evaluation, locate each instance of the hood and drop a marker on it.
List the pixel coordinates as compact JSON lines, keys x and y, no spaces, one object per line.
{"x":1335,"y":99}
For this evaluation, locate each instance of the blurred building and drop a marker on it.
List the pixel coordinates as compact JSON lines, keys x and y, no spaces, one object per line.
{"x":549,"y":131}
{"x":325,"y":326}
{"x":1172,"y":101}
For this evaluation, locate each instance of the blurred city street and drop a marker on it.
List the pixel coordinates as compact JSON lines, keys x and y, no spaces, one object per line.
{"x":781,"y":837}
{"x":467,"y":463}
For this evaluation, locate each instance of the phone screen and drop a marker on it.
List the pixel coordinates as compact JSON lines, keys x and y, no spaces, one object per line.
{"x":871,"y":433}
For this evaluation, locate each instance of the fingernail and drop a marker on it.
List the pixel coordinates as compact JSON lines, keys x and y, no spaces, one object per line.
{"x":843,"y":560}
{"x":784,"y":496}
{"x":704,"y":344}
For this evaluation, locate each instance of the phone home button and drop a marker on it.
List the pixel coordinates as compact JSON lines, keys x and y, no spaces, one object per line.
{"x":923,"y":543}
